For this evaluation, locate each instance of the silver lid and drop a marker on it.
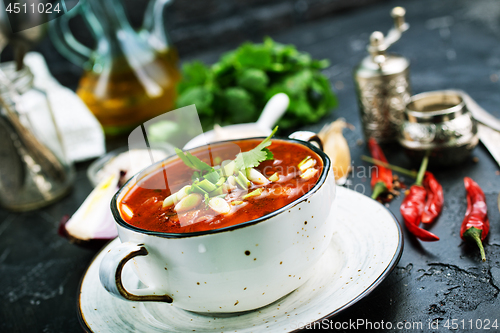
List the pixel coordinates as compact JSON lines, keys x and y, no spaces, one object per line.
{"x":391,"y":64}
{"x":379,"y":62}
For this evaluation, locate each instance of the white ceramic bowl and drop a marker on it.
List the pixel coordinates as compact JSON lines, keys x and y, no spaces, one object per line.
{"x":237,"y":268}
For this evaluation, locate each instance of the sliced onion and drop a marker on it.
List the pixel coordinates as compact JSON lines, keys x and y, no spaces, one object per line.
{"x":93,"y":224}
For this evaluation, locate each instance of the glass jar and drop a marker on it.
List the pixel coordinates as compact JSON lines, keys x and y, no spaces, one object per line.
{"x":34,"y":170}
{"x":131,"y":76}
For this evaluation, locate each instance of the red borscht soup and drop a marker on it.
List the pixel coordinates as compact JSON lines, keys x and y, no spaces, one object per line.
{"x":195,"y":201}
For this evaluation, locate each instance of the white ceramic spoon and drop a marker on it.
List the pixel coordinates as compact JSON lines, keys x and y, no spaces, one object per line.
{"x":274,"y":109}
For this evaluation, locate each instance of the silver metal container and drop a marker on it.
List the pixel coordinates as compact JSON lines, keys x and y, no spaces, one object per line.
{"x":382,"y":84}
{"x":438,"y":121}
{"x":34,"y":169}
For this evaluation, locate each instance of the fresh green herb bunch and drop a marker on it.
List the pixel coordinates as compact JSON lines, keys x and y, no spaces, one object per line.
{"x":235,"y":89}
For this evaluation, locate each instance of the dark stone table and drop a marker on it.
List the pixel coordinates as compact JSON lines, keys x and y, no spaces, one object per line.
{"x":451,"y":44}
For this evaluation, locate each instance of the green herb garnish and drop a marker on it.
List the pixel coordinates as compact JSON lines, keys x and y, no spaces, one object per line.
{"x":242,"y":81}
{"x":192,"y":161}
{"x":244,"y":160}
{"x":209,"y":182}
{"x":252,"y":158}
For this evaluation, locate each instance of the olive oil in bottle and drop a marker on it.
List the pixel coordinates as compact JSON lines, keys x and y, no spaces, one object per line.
{"x":122,"y":97}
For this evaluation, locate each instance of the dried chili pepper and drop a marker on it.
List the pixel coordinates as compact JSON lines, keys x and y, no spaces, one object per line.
{"x":413,"y":206}
{"x":382,"y":180}
{"x":435,"y":198}
{"x":476,"y":224}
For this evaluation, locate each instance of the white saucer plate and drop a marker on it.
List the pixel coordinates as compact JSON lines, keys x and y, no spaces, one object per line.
{"x":366,"y":246}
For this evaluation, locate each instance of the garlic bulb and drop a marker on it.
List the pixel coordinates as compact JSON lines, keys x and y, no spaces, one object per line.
{"x":336,"y":147}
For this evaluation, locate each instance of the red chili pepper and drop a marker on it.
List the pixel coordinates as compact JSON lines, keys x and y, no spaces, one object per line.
{"x":382,"y":180}
{"x":413,"y":206}
{"x":476,"y":224}
{"x":435,"y":198}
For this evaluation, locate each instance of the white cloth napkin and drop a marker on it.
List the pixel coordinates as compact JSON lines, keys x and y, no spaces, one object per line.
{"x":82,"y":134}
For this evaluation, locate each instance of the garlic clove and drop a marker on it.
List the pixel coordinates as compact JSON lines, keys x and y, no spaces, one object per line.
{"x":337,"y":149}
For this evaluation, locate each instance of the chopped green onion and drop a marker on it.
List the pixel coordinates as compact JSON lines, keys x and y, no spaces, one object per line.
{"x":304,"y":161}
{"x":224,"y":176}
{"x":196,"y":176}
{"x":195,"y":188}
{"x":254,"y":193}
{"x":236,"y":202}
{"x":187,"y":203}
{"x":207,"y":185}
{"x":212,"y":177}
{"x":242,"y":181}
{"x":309,"y":173}
{"x":275,"y":177}
{"x":219,"y":205}
{"x":218,"y":191}
{"x":231,"y":180}
{"x":228,"y":167}
{"x":177,"y":196}
{"x":220,"y":181}
{"x":169,"y":201}
{"x":308,"y":163}
{"x":256,"y":177}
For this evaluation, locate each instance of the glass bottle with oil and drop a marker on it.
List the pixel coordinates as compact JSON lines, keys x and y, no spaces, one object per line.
{"x":131,"y":76}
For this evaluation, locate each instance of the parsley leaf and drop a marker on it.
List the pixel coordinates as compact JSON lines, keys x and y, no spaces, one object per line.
{"x":252,"y":158}
{"x":192,"y":161}
{"x":244,"y":160}
{"x":212,"y":184}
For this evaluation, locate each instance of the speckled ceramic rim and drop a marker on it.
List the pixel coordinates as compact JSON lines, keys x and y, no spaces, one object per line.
{"x":324,"y":173}
{"x":435,"y":97}
{"x":390,"y":267}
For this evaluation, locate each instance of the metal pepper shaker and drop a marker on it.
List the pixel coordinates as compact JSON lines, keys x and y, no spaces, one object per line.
{"x":382,"y":83}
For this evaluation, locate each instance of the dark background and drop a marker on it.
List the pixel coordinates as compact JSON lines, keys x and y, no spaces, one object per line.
{"x":451,"y":44}
{"x":199,"y":25}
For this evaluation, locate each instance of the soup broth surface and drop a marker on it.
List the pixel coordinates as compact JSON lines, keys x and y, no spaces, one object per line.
{"x":144,"y":201}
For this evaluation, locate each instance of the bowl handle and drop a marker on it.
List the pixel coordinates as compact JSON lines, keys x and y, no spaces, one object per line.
{"x":273,"y":110}
{"x":110,"y":274}
{"x":308,"y":137}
